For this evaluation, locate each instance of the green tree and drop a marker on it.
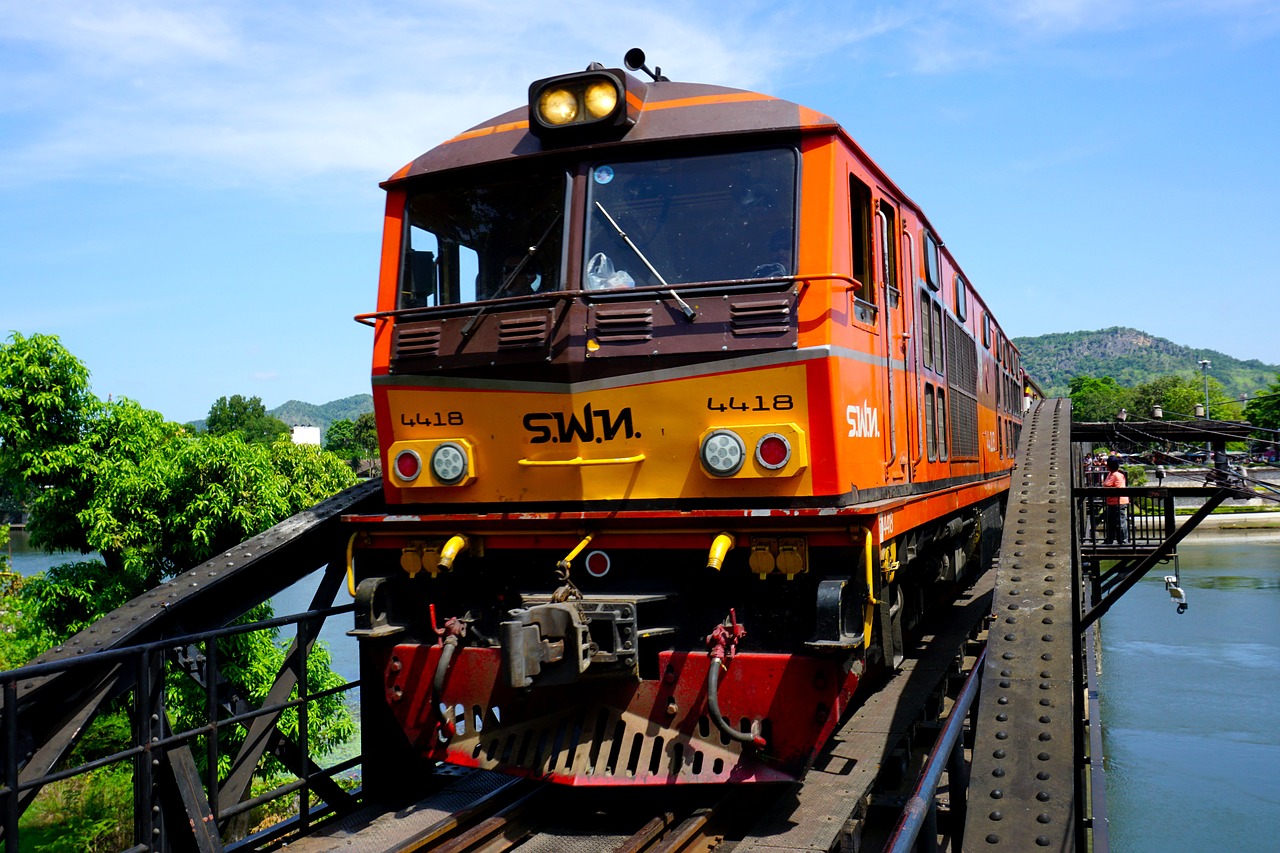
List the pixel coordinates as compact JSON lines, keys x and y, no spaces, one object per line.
{"x":1178,"y":396}
{"x":74,"y":474}
{"x":44,"y":401}
{"x":354,"y":440}
{"x":1263,"y":411}
{"x":247,"y":416}
{"x":153,"y":500}
{"x":1095,"y":399}
{"x":11,"y":503}
{"x":340,"y":440}
{"x":367,"y":435}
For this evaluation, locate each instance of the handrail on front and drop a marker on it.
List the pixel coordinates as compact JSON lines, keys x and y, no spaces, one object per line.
{"x":578,"y":461}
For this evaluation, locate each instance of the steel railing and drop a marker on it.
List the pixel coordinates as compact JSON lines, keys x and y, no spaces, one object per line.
{"x":1148,"y":518}
{"x":152,"y":741}
{"x":919,"y":819}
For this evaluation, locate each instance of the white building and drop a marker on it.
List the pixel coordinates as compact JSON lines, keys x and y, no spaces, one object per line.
{"x":305,"y":434}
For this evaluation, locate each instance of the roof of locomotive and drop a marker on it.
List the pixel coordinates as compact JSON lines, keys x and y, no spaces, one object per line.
{"x":669,"y":110}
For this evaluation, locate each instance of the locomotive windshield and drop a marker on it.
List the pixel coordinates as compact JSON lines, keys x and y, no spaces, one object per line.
{"x":687,"y":219}
{"x":484,"y":241}
{"x":691,"y":219}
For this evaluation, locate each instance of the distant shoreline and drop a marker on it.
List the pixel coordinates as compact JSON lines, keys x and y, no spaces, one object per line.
{"x":1253,"y":525}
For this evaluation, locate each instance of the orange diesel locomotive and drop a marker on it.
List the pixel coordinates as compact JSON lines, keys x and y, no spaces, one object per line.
{"x":683,"y":408}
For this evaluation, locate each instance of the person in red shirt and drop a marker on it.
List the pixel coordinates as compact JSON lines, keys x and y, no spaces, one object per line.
{"x":1116,"y":522}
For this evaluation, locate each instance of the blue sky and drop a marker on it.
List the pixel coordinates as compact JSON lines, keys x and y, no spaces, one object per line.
{"x":189,"y":199}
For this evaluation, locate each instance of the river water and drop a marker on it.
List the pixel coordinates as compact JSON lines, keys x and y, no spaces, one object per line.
{"x":295,"y":599}
{"x":1190,"y":703}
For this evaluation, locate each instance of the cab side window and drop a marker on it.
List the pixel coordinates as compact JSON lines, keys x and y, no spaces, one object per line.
{"x":932,"y":263}
{"x":888,"y":260}
{"x":860,"y":249}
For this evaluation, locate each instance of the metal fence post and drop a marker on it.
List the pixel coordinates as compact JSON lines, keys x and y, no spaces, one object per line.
{"x":211,"y":746}
{"x":304,"y":741}
{"x":144,"y":801}
{"x":12,"y":812}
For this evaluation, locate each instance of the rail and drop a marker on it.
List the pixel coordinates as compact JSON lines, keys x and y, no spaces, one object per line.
{"x":921,"y":812}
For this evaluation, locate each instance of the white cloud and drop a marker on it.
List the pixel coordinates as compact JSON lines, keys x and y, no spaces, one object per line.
{"x":121,"y":35}
{"x":241,"y":91}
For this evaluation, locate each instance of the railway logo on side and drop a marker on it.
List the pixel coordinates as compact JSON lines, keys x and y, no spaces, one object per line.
{"x":864,"y":421}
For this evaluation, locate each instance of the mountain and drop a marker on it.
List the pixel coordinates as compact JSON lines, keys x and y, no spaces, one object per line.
{"x":1133,"y":357}
{"x":298,"y":413}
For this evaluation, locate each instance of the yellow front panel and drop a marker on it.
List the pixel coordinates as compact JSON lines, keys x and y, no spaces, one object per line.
{"x":637,"y":442}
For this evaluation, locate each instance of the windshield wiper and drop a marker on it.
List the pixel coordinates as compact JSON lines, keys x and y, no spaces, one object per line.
{"x":689,"y":313}
{"x":515,"y":273}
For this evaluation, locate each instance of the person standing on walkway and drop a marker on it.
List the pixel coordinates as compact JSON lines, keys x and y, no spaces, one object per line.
{"x":1116,"y":523}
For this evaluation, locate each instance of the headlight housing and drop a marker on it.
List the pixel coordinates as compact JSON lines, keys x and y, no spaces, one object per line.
{"x":449,"y":463}
{"x":773,"y":451}
{"x":723,"y":453}
{"x":408,"y":465}
{"x":599,"y":103}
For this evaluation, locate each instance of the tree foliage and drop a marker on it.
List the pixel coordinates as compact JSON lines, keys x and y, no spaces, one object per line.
{"x":1263,"y":410}
{"x":353,"y":440}
{"x":1095,"y":399}
{"x":1100,"y":398}
{"x":152,"y":499}
{"x":114,"y":438}
{"x":340,"y":439}
{"x":247,"y":416}
{"x":44,"y":402}
{"x":1178,"y":396}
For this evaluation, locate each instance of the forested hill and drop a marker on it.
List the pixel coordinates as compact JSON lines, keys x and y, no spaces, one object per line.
{"x":1133,"y":357}
{"x":298,"y":413}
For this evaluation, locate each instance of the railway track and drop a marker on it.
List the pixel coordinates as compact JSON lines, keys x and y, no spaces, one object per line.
{"x":477,"y":811}
{"x":850,"y":800}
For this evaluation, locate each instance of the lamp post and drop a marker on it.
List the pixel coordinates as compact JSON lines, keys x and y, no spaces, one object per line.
{"x":1204,"y":369}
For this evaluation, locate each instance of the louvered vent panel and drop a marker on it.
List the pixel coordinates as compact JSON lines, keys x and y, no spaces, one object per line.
{"x":760,"y":316}
{"x":962,"y":380}
{"x":964,"y":427}
{"x":621,"y":325}
{"x":528,"y":331}
{"x":417,"y":341}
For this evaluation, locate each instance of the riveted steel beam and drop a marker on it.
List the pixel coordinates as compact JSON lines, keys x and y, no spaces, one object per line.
{"x":1022,"y":789}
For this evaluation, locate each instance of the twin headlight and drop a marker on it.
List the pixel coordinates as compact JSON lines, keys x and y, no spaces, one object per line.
{"x":561,"y":105}
{"x":569,"y":107}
